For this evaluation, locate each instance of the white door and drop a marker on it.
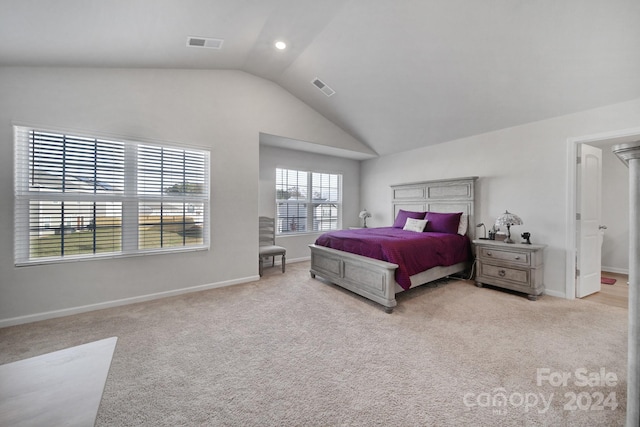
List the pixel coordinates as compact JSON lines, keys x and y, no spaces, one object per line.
{"x":590,"y":211}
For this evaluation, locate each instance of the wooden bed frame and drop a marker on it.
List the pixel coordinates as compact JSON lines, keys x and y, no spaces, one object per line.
{"x":375,"y":279}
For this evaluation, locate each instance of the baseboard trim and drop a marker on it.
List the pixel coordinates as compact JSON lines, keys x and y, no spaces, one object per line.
{"x":13,"y":321}
{"x":292,"y":260}
{"x":614,"y":270}
{"x":303,"y":259}
{"x":553,"y":293}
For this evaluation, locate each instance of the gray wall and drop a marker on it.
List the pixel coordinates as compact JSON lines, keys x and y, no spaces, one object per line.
{"x":223,"y":111}
{"x":272,"y":158}
{"x":522,"y":169}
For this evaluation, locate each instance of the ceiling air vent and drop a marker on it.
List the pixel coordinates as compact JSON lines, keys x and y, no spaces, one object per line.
{"x":204,"y":42}
{"x":323,"y":87}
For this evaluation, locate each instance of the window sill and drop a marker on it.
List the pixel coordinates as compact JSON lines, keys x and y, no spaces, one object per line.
{"x":308,"y":233}
{"x":78,"y":258}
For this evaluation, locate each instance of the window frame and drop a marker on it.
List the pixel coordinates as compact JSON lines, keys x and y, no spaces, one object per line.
{"x":311,"y":205}
{"x":128,"y":197}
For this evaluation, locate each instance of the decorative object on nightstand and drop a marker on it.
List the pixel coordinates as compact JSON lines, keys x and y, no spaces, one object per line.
{"x":514,"y":266}
{"x":526,"y":237}
{"x":364,"y":214}
{"x":508,"y":219}
{"x":485,"y":231}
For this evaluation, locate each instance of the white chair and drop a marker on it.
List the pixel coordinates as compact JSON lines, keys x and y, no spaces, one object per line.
{"x":268,"y":248}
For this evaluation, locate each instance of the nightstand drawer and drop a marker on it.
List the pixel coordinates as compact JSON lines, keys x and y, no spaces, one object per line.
{"x":513,"y":257}
{"x":512,"y":275}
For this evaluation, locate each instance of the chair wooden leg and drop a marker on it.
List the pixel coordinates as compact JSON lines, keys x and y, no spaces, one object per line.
{"x":283,"y":262}
{"x":260,"y":265}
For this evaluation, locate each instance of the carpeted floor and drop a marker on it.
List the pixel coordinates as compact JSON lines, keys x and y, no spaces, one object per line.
{"x":289,"y":350}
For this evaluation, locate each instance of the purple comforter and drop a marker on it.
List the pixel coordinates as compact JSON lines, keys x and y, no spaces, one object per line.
{"x":413,"y":252}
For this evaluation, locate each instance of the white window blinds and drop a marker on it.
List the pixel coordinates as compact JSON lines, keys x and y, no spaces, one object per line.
{"x":82,"y":197}
{"x":307,"y":201}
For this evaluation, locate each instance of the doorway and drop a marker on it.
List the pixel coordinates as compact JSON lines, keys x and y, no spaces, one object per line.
{"x":614,"y":293}
{"x":617,"y":228}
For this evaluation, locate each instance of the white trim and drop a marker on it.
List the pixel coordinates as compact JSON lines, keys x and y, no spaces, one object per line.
{"x":553,"y":293}
{"x":109,"y":255}
{"x":308,"y":201}
{"x":306,"y":233}
{"x":116,"y":303}
{"x":278,"y":260}
{"x":110,"y":135}
{"x":616,"y":270}
{"x":571,"y":241}
{"x":302,"y":259}
{"x":126,"y":202}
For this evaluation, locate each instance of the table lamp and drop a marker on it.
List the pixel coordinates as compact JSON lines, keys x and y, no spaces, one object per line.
{"x":508,"y":219}
{"x":364,"y":214}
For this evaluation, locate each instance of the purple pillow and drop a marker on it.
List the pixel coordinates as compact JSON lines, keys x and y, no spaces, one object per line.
{"x":402,"y":216}
{"x":443,"y":222}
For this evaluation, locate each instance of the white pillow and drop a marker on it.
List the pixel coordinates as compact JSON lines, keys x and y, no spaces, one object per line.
{"x":416,"y":225}
{"x":464,"y":223}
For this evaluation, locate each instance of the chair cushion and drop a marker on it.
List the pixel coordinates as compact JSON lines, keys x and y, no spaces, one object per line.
{"x":272,"y":250}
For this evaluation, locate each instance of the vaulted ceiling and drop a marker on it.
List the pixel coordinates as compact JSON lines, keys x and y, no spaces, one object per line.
{"x":406,"y":73}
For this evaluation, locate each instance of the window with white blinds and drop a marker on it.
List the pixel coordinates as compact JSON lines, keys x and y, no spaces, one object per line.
{"x":82,"y":197}
{"x":307,"y":201}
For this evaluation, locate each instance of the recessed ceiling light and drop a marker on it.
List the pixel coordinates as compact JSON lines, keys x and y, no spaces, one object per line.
{"x":280,"y":45}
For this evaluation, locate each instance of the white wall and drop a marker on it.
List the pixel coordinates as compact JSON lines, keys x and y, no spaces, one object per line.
{"x":615,"y":212}
{"x":522,"y":169}
{"x":272,"y":158}
{"x":223,"y":111}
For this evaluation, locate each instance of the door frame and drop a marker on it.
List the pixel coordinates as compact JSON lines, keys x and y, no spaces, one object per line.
{"x":572,"y":196}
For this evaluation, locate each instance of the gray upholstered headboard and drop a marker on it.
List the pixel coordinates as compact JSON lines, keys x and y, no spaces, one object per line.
{"x":443,"y":195}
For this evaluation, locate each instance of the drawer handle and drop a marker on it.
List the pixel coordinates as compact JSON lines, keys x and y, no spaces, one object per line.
{"x":502,"y":273}
{"x":489,"y":254}
{"x":517,"y":257}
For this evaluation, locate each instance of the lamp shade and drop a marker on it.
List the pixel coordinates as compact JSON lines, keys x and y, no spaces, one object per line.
{"x":507,"y":219}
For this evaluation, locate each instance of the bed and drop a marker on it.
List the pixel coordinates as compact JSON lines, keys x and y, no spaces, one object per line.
{"x":381,"y":279}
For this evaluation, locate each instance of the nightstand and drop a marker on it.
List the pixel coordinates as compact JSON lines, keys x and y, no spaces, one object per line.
{"x":515,"y":266}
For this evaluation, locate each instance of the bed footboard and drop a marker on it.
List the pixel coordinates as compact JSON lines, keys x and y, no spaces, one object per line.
{"x":370,"y":278}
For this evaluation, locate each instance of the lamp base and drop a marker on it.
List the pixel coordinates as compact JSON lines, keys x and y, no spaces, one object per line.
{"x":508,"y":239}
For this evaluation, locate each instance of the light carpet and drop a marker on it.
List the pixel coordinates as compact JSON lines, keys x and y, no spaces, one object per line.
{"x":291,"y":350}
